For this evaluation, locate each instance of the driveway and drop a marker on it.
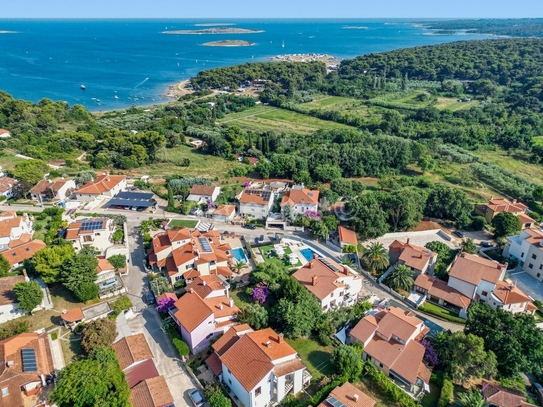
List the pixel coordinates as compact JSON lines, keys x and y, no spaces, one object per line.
{"x":529,"y":285}
{"x":148,"y":322}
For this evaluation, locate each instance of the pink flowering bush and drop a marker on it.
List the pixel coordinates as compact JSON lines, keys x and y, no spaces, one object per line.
{"x":260,"y":294}
{"x":312,"y":215}
{"x":246,"y":184}
{"x":165,"y":305}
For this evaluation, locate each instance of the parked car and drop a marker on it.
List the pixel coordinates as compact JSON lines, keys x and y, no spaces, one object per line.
{"x":150,"y":297}
{"x":249,"y":226}
{"x":261,"y":238}
{"x":459,"y":233}
{"x":486,"y":244}
{"x":196,"y":212}
{"x":196,"y":398}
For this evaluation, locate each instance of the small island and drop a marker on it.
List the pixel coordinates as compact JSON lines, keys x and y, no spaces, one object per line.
{"x":218,"y":30}
{"x":355,"y":27}
{"x":229,"y":43}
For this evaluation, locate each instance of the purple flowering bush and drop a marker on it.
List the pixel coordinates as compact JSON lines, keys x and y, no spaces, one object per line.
{"x":246,"y":184}
{"x":165,"y":305}
{"x":260,"y":294}
{"x":312,"y":215}
{"x":430,"y":354}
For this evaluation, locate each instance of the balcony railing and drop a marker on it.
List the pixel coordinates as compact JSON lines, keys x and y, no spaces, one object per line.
{"x":306,"y":377}
{"x":288,"y":387}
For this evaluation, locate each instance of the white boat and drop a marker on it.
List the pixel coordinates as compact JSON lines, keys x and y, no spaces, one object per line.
{"x":116,"y":97}
{"x":83,"y":87}
{"x":283,"y":44}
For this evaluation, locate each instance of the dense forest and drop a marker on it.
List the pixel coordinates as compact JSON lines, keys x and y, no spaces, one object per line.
{"x":522,"y":27}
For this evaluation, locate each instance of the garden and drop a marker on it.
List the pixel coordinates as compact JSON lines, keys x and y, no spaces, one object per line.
{"x":270,"y":255}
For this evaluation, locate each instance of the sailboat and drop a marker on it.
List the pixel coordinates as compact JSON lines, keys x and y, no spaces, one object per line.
{"x":283,"y":44}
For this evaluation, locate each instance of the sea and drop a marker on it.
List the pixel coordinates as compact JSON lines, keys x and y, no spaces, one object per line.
{"x":123,"y":63}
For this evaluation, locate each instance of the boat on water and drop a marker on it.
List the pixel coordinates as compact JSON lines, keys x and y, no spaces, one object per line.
{"x":283,"y":44}
{"x":97,"y":100}
{"x":83,"y":87}
{"x":93,"y":99}
{"x":116,"y":97}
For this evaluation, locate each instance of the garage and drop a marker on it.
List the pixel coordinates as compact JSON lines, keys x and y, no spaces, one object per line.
{"x":133,"y":201}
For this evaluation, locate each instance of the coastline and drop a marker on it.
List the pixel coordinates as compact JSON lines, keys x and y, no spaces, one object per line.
{"x":229,"y":43}
{"x":213,"y":31}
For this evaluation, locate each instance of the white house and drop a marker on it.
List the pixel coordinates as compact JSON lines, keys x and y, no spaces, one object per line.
{"x":9,"y":307}
{"x":225,"y":213}
{"x":5,"y":133}
{"x":203,"y":193}
{"x":95,"y":232}
{"x":104,"y":271}
{"x":6,"y":187}
{"x":259,"y":367}
{"x":333,"y":284}
{"x":104,"y":186}
{"x":255,"y":203}
{"x":527,"y":248}
{"x":48,"y":190}
{"x":346,"y":237}
{"x":14,"y":230}
{"x":201,"y":319}
{"x":301,"y":200}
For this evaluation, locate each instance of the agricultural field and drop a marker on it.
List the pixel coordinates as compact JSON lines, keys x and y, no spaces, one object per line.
{"x":264,"y":118}
{"x":453,"y":104}
{"x":8,"y":159}
{"x":516,"y":163}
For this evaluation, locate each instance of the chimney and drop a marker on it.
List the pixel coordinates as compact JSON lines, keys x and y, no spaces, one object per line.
{"x":514,"y":201}
{"x":315,"y":256}
{"x":9,"y":363}
{"x":310,"y":264}
{"x":407,"y":241}
{"x":231,"y":302}
{"x":280,"y":338}
{"x":220,"y":306}
{"x":346,"y":271}
{"x":314,"y":280}
{"x":204,"y":283}
{"x":355,"y":397}
{"x":268,"y":344}
{"x":191,"y":290}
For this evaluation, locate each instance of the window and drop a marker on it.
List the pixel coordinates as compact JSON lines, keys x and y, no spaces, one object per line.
{"x":331,"y":295}
{"x":258,"y":391}
{"x":522,"y":254}
{"x":541,"y":267}
{"x":87,"y":238}
{"x":531,"y":266}
{"x":5,"y":391}
{"x":484,"y":293}
{"x":380,"y":365}
{"x":230,"y":381}
{"x":534,"y":256}
{"x":538,"y":275}
{"x":177,"y":278}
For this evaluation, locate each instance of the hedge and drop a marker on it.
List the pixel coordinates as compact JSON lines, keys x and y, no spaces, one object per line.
{"x":181,"y":346}
{"x":446,"y":393}
{"x":387,"y":387}
{"x":121,"y":304}
{"x":430,"y":311}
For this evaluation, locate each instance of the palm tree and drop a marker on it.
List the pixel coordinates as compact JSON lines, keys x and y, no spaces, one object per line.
{"x":239,"y":266}
{"x":400,"y":278}
{"x":347,"y":261}
{"x":375,"y":257}
{"x":471,"y":398}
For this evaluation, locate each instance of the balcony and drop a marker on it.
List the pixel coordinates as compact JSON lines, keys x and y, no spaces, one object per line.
{"x":306,"y":378}
{"x":288,"y":387}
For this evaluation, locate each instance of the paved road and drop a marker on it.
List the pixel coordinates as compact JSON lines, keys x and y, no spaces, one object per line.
{"x":149,"y":323}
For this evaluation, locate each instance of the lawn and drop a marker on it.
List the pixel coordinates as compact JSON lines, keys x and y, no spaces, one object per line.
{"x":315,"y":357}
{"x":71,"y":346}
{"x":241,"y":299}
{"x":272,"y":258}
{"x":454,"y":104}
{"x":438,"y":311}
{"x":182,"y":223}
{"x":431,"y":399}
{"x":8,"y":160}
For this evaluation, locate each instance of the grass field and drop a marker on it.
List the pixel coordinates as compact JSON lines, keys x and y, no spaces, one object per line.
{"x":8,"y":159}
{"x":182,"y":223}
{"x":514,"y":163}
{"x":263,"y":118}
{"x":453,"y":104}
{"x":314,"y":356}
{"x":271,"y":258}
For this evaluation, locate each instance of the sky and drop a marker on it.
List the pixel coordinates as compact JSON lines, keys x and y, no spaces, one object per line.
{"x":270,"y":8}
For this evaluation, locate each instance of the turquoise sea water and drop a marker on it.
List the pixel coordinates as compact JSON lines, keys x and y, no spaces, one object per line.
{"x":133,"y":59}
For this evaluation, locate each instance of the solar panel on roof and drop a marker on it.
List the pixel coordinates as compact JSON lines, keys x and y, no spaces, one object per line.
{"x":264,"y":194}
{"x":335,"y":402}
{"x":29,"y":360}
{"x":143,"y":196}
{"x":329,"y":265}
{"x":205,"y":244}
{"x":91,"y":225}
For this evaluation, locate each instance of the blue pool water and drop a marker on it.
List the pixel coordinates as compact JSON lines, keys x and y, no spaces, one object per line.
{"x":308,"y":253}
{"x":239,"y":255}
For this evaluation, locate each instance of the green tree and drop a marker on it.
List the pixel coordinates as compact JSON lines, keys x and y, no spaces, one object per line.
{"x":101,"y":332}
{"x":470,"y":398}
{"x":288,"y":214}
{"x":403,"y":208}
{"x":216,"y":397}
{"x":5,"y":267}
{"x":118,"y":261}
{"x":171,"y":200}
{"x":348,"y":361}
{"x":331,"y":222}
{"x":31,"y":171}
{"x":375,"y":257}
{"x":445,"y":202}
{"x":468,"y":358}
{"x":427,"y":163}
{"x":48,"y":260}
{"x":271,"y":274}
{"x":255,"y":315}
{"x":29,"y":295}
{"x":159,"y":285}
{"x":318,"y":229}
{"x":537,"y":194}
{"x":468,"y":246}
{"x":95,"y":381}
{"x":440,"y":248}
{"x":86,"y":291}
{"x":78,"y":270}
{"x":400,"y":278}
{"x":506,"y":224}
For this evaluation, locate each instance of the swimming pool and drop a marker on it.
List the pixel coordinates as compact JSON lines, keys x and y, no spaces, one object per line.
{"x":239,"y":255}
{"x":308,"y":253}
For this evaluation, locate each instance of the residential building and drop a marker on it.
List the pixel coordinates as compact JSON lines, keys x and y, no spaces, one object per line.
{"x":346,"y":237}
{"x":6,"y":186}
{"x":495,"y":206}
{"x":225,"y":213}
{"x":259,"y":368}
{"x":147,"y":387}
{"x":21,"y":252}
{"x":48,"y":190}
{"x":391,"y":342}
{"x":26,"y":362}
{"x":348,"y":396}
{"x":14,"y":230}
{"x":95,"y":232}
{"x":255,"y":203}
{"x":165,"y":296}
{"x":75,"y":315}
{"x":419,"y":259}
{"x":104,"y":271}
{"x":473,"y":278}
{"x":9,"y":306}
{"x":527,"y":249}
{"x":207,"y":318}
{"x":5,"y":133}
{"x":185,"y":254}
{"x":333,"y":285}
{"x":499,"y":396}
{"x":202,"y":194}
{"x":301,"y":200}
{"x":210,"y":286}
{"x":104,"y":186}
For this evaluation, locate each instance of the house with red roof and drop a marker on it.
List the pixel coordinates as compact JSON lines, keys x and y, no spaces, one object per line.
{"x":391,"y":343}
{"x":348,"y":396}
{"x":6,"y":186}
{"x":346,"y":237}
{"x":499,"y":205}
{"x":527,"y":249}
{"x":255,"y":203}
{"x":104,"y":186}
{"x":203,"y":193}
{"x":5,"y":133}
{"x":499,"y":396}
{"x":419,"y":259}
{"x":301,"y":200}
{"x":49,"y":190}
{"x":259,"y":368}
{"x":225,"y":213}
{"x":95,"y":232}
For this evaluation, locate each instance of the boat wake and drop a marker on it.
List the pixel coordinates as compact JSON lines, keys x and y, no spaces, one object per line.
{"x":142,"y":82}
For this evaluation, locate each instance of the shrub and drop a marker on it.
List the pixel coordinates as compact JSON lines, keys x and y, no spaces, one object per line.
{"x":446,"y":393}
{"x":387,"y":387}
{"x":121,"y":304}
{"x":181,"y":347}
{"x":443,"y":315}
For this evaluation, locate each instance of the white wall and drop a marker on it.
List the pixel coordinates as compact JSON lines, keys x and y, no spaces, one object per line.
{"x":464,"y":287}
{"x":235,"y":386}
{"x":256,"y":211}
{"x":487,"y":287}
{"x":9,"y":312}
{"x":198,"y":337}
